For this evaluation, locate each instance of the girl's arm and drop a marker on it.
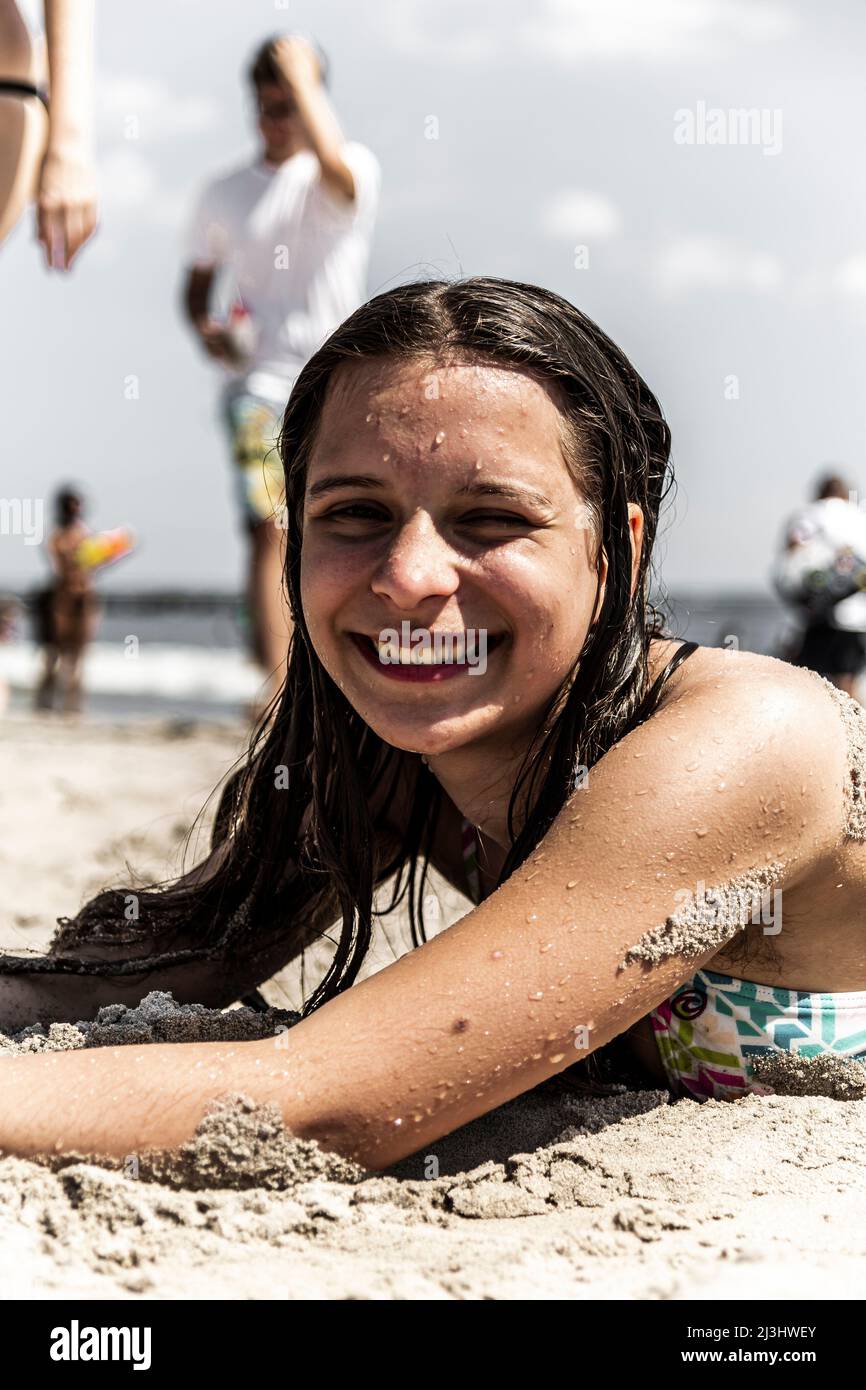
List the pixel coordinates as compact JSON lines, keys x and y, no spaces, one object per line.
{"x":730,"y":775}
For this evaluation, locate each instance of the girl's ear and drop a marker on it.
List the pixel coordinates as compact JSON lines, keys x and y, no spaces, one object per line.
{"x":601,"y":588}
{"x":635,"y":529}
{"x":635,"y":526}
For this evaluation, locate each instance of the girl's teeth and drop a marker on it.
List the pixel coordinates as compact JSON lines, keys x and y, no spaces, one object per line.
{"x":415,"y":656}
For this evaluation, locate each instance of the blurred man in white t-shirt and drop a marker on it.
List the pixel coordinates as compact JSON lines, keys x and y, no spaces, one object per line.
{"x":293,"y":229}
{"x":821,"y":572}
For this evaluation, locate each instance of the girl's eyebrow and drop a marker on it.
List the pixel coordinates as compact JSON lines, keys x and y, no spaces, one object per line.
{"x":332,"y":481}
{"x":509,"y":491}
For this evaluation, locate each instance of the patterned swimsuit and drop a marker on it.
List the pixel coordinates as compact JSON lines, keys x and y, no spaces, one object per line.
{"x":709,"y":1031}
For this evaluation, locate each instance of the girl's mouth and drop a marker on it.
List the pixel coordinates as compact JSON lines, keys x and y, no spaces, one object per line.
{"x":439,"y":660}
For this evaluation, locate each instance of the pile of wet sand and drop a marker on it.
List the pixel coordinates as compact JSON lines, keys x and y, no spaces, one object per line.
{"x":556,"y":1195}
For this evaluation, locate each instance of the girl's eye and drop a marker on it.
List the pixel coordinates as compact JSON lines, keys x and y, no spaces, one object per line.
{"x":357,"y":511}
{"x":364,"y":512}
{"x":497,"y":519}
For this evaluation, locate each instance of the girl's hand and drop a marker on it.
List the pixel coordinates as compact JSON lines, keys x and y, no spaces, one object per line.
{"x":66,"y":207}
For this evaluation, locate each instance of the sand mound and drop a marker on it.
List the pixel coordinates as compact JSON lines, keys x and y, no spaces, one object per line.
{"x":556,"y":1195}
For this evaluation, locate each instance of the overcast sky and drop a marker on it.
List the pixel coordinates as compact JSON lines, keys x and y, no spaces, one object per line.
{"x":733,"y":274}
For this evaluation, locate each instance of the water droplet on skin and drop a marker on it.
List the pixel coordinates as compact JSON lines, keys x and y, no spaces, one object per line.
{"x":572,"y":883}
{"x":701,"y":831}
{"x":398,"y":1122}
{"x":496,"y":955}
{"x":670,"y":854}
{"x":546,"y":947}
{"x":721,"y":787}
{"x":533,"y":917}
{"x":692,"y":767}
{"x":557,"y":1057}
{"x":370,"y":419}
{"x":386,"y":458}
{"x":537,"y":994}
{"x":440,"y":436}
{"x":477,"y":463}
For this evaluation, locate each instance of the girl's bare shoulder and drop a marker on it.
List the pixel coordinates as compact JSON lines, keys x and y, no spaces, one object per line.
{"x":748,"y":677}
{"x":742,"y":699}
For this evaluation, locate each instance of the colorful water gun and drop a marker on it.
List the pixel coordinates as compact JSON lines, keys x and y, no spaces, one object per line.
{"x":105,"y":548}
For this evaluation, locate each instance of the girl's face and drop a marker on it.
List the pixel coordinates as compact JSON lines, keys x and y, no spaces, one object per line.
{"x":438,"y":496}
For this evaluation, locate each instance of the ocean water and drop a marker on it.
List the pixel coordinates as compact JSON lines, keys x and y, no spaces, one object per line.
{"x":184,"y":655}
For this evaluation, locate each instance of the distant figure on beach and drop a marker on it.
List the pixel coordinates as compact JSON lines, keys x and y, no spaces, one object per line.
{"x":293,"y":228}
{"x":821,"y":573}
{"x":67,"y":611}
{"x":46,"y":142}
{"x":9,"y":610}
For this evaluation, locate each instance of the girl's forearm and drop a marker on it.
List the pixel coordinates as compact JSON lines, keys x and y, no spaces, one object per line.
{"x":121,"y":1101}
{"x":69,"y":31}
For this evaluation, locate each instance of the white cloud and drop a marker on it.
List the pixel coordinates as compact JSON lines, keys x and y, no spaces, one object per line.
{"x":849,"y":277}
{"x":580,"y":213}
{"x":151,"y":109}
{"x":696,"y":263}
{"x":129,"y":186}
{"x":574,"y":31}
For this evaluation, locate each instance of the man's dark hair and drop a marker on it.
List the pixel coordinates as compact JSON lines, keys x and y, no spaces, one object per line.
{"x":264,"y":71}
{"x":831,"y":485}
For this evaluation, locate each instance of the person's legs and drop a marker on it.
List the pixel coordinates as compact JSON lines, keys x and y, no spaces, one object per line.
{"x":845,"y":681}
{"x":75,"y":616}
{"x":23,"y":119}
{"x":254,"y":426}
{"x":269,"y":609}
{"x":45,"y":690}
{"x":835,"y":654}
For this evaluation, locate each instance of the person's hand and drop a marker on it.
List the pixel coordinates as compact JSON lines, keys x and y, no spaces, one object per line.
{"x":65,"y":207}
{"x":218,"y":342}
{"x":297,"y":63}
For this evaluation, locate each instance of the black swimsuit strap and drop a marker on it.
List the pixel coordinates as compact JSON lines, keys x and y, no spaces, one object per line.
{"x":681,"y":654}
{"x":648,"y":703}
{"x":12,"y":87}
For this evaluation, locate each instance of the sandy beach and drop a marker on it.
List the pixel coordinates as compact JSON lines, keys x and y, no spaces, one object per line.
{"x":555,"y":1196}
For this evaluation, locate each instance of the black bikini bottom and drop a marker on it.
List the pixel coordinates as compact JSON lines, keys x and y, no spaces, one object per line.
{"x":12,"y":88}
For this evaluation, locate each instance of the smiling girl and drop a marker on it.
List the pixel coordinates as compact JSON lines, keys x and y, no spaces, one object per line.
{"x":479,"y":457}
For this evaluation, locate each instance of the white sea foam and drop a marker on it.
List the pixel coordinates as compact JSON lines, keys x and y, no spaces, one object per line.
{"x":164,"y":670}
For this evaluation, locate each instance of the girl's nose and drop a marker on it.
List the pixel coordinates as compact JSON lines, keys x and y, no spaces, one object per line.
{"x":419,"y":564}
